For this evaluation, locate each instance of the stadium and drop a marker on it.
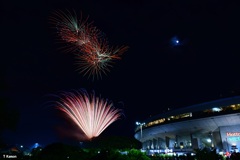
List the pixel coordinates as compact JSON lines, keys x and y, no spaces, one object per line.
{"x":214,"y":124}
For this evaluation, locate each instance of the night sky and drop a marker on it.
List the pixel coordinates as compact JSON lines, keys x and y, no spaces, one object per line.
{"x":155,"y":73}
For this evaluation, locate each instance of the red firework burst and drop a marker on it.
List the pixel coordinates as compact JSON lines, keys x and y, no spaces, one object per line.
{"x":93,"y":52}
{"x":73,"y":31}
{"x":98,"y":59}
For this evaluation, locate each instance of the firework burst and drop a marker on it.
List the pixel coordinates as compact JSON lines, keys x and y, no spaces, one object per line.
{"x":98,"y":58}
{"x":90,"y":113}
{"x":73,"y":31}
{"x":92,"y":50}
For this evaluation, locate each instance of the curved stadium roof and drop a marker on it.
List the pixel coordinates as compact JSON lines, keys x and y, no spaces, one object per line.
{"x":194,"y":125}
{"x":197,"y":107}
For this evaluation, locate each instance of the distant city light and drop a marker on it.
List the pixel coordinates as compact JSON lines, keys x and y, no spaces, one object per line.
{"x":36,"y":145}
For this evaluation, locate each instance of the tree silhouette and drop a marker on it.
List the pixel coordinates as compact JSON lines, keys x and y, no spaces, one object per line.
{"x":114,"y":142}
{"x":8,"y":117}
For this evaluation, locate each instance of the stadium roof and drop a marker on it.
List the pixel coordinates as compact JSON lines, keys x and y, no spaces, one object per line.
{"x":197,"y":107}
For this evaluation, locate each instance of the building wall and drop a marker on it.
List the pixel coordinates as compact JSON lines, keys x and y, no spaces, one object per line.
{"x":230,"y":136}
{"x":217,"y":140}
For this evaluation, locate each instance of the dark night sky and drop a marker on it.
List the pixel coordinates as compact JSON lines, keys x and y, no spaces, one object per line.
{"x":153,"y":74}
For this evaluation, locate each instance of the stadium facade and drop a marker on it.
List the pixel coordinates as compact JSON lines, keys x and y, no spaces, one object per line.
{"x":214,"y":124}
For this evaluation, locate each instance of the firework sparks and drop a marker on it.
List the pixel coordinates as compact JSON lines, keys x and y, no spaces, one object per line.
{"x":93,"y":52}
{"x":73,"y":31}
{"x":90,"y":113}
{"x":98,"y":61}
